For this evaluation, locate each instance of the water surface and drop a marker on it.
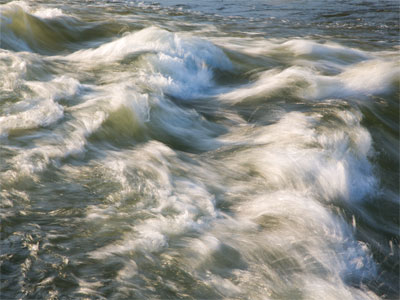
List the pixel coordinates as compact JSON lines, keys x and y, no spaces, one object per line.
{"x":199,"y":149}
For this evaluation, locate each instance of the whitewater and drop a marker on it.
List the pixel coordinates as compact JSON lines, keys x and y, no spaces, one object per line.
{"x":199,"y":149}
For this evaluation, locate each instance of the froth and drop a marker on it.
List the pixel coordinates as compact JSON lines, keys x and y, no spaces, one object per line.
{"x":295,"y":48}
{"x":48,"y":13}
{"x":157,"y":40}
{"x":330,"y":163}
{"x":13,"y":69}
{"x":324,"y":51}
{"x":40,"y":107}
{"x":40,"y":12}
{"x":367,"y":78}
{"x":302,"y":167}
{"x":175,"y":205}
{"x":41,"y":114}
{"x":174,"y":64}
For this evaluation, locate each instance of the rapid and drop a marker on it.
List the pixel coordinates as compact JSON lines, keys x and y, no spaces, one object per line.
{"x":199,"y":149}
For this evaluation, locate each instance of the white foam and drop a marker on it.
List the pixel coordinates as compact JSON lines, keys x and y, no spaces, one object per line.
{"x":167,"y":118}
{"x":305,"y":244}
{"x":13,"y":68}
{"x":175,"y":64}
{"x":317,"y":71}
{"x":364,"y":79}
{"x":48,"y":13}
{"x":112,"y":97}
{"x":359,"y":80}
{"x":269,"y":81}
{"x":224,"y":286}
{"x":40,"y":108}
{"x":70,"y":138}
{"x":293,"y":49}
{"x":176,"y":205}
{"x":370,"y":77}
{"x":61,"y":87}
{"x":186,"y":125}
{"x":328,"y":49}
{"x":40,"y":12}
{"x":41,"y":113}
{"x":50,"y":148}
{"x":280,"y":217}
{"x":247,"y":45}
{"x":330,"y":163}
{"x":157,"y":40}
{"x":316,"y":288}
{"x":13,"y":5}
{"x":90,"y":288}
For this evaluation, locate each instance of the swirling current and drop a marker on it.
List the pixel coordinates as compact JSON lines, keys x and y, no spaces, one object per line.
{"x":199,"y":149}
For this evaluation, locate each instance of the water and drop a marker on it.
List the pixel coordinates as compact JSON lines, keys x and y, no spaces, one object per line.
{"x":199,"y":149}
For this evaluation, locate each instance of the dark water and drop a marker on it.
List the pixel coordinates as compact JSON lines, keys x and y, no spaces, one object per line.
{"x":199,"y":149}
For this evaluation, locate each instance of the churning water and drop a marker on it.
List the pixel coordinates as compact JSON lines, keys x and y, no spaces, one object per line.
{"x":199,"y":149}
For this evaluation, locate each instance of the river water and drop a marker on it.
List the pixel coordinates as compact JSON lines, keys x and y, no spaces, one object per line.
{"x":199,"y":149}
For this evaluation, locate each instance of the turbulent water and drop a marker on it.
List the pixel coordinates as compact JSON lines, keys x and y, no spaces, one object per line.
{"x":199,"y":149}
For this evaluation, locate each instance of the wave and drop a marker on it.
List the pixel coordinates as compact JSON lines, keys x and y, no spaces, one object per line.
{"x":229,"y":163}
{"x":357,"y":81}
{"x":178,"y":65}
{"x":26,"y":26}
{"x":290,"y":171}
{"x":42,"y":30}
